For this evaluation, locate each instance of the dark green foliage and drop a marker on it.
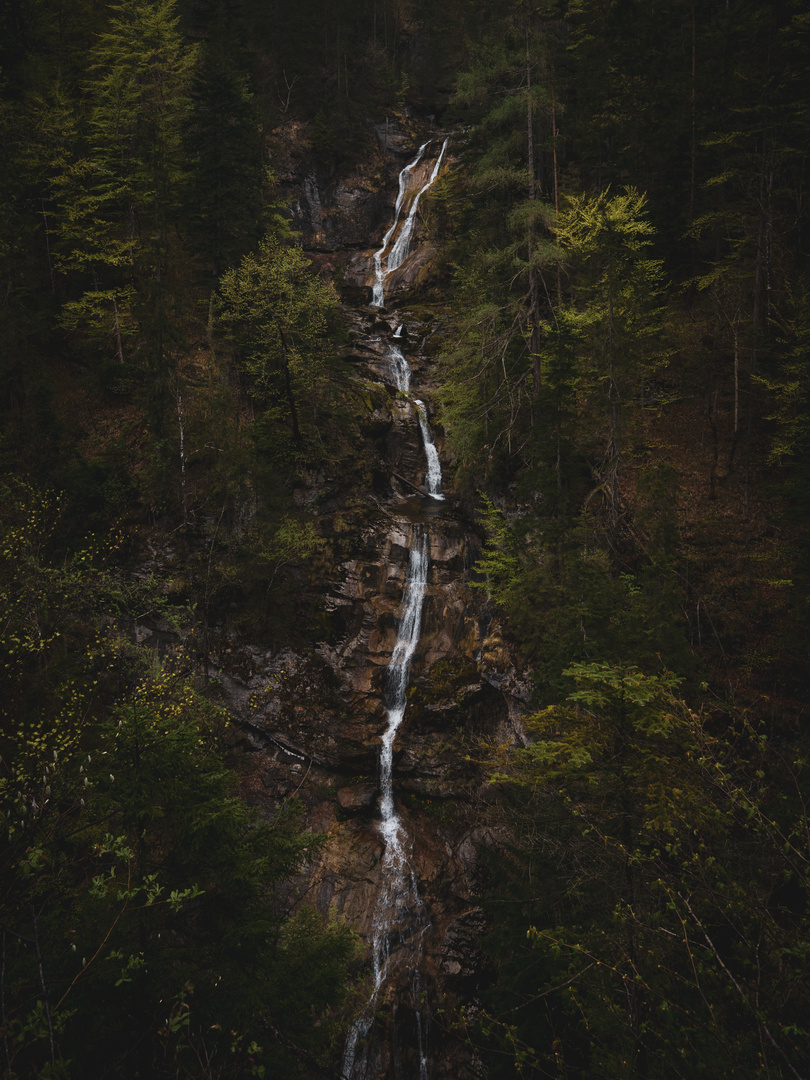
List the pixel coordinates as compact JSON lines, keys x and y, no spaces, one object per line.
{"x":223,"y":140}
{"x":280,"y":313}
{"x":666,"y":937}
{"x":147,"y":918}
{"x":623,"y":238}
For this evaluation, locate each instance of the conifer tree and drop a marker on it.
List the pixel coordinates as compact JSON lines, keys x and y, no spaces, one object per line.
{"x":280,"y":313}
{"x":612,"y":324}
{"x":120,"y":201}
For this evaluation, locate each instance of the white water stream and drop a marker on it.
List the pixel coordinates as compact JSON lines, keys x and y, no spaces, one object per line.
{"x":400,"y":920}
{"x":400,"y":368}
{"x":433,"y":480}
{"x":402,"y":244}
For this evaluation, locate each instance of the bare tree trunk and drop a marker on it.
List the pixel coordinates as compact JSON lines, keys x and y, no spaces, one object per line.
{"x":3,"y":1006}
{"x":554,"y":144}
{"x":710,"y":416}
{"x":762,"y":263}
{"x":48,"y":248}
{"x":694,"y":124}
{"x":534,"y":291}
{"x":119,"y":351}
{"x":45,"y":1004}
{"x":614,"y":397}
{"x":296,"y":431}
{"x":181,"y":425}
{"x":209,"y":330}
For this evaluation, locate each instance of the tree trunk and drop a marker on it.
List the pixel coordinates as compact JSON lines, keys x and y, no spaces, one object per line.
{"x":296,"y":431}
{"x":693,"y":99}
{"x":534,"y":291}
{"x":119,"y":351}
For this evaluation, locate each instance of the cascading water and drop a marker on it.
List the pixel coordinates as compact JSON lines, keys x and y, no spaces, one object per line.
{"x":433,"y":480}
{"x":400,"y":369}
{"x":401,"y":374}
{"x":400,"y":920}
{"x":402,"y":245}
{"x":380,"y":274}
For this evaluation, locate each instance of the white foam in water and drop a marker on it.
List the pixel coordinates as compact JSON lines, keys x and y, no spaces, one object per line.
{"x":402,"y":245}
{"x":399,"y":917}
{"x":400,"y":921}
{"x":377,"y":292}
{"x":400,"y":368}
{"x":433,"y":480}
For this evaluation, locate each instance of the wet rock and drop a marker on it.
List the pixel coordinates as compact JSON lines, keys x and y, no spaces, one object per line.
{"x":357,"y":295}
{"x":312,"y":719}
{"x":356,"y":798}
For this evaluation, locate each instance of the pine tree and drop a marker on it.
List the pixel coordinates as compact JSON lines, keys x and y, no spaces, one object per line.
{"x":119,"y":203}
{"x":611,"y":325}
{"x":280,"y":313}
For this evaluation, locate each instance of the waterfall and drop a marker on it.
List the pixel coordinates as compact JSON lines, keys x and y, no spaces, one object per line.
{"x":400,"y":919}
{"x":377,"y":296}
{"x":433,"y":480}
{"x":401,"y":374}
{"x":401,"y":247}
{"x":400,"y":368}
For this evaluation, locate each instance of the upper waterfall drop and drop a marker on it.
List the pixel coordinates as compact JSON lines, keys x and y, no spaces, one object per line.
{"x":377,"y":296}
{"x":399,"y":251}
{"x":400,"y":368}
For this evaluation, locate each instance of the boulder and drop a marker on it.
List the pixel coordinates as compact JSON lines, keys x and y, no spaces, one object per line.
{"x":357,"y":797}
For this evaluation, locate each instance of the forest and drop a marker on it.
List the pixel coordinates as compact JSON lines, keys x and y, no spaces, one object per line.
{"x":614,"y":326}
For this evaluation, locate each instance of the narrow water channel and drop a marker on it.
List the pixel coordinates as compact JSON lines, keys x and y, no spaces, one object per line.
{"x":400,"y":919}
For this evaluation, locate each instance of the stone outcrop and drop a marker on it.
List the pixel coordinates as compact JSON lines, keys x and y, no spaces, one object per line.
{"x":311,"y":722}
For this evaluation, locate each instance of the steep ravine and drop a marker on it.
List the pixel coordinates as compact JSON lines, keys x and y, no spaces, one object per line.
{"x":313,"y":722}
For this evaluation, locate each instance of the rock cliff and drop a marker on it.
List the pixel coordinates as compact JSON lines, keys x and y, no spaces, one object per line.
{"x":311,"y":722}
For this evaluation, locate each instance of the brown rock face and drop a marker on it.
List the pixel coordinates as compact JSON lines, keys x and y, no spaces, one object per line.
{"x":357,"y":798}
{"x":313,"y":722}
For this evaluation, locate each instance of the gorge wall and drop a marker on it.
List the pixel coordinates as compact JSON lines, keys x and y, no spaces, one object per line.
{"x":312,"y":721}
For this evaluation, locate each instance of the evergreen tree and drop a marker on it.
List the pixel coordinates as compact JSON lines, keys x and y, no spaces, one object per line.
{"x":119,"y":203}
{"x":223,"y":140}
{"x":660,"y":918}
{"x":145,"y":911}
{"x":502,"y":247}
{"x":280,"y":313}
{"x":612,"y":325}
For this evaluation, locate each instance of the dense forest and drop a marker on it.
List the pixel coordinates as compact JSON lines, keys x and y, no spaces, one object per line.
{"x":618,"y":299}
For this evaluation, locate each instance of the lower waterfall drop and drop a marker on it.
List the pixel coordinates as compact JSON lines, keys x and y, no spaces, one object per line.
{"x":400,"y":919}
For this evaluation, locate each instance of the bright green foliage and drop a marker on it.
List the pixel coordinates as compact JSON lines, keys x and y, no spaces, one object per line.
{"x":281,"y":313}
{"x":486,"y":387}
{"x":790,"y":385}
{"x":501,"y":251}
{"x":609,"y":329}
{"x":119,"y":202}
{"x":499,"y":563}
{"x":145,"y":910}
{"x":54,"y":645}
{"x":292,"y":542}
{"x":566,"y":603}
{"x":667,"y":933}
{"x":142,"y":880}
